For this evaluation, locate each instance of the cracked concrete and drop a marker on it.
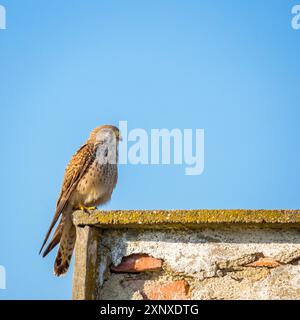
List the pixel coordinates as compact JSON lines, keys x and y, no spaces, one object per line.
{"x":212,"y":261}
{"x":190,"y":252}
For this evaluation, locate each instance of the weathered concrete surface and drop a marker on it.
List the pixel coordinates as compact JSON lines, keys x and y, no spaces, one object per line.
{"x":203,"y":252}
{"x":255,"y":284}
{"x":248,"y":258}
{"x":86,"y":262}
{"x":213,"y":262}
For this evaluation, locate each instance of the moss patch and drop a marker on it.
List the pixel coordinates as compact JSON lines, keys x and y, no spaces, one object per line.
{"x":181,"y":219}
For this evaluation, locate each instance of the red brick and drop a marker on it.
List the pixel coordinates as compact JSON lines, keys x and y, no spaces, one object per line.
{"x":176,"y":290}
{"x":138,"y":263}
{"x":264,"y":263}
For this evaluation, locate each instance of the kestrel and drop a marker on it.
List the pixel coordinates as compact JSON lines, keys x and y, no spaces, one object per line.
{"x":89,"y":181}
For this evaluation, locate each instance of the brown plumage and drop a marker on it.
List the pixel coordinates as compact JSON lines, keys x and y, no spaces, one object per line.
{"x":89,"y":181}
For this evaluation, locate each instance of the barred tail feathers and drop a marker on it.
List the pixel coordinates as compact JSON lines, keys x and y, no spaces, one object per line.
{"x":66,"y":247}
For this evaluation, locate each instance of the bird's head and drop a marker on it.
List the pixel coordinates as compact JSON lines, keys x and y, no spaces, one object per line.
{"x":105,"y":133}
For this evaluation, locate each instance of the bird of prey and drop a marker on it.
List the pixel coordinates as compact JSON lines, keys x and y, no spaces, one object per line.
{"x":90,"y":178}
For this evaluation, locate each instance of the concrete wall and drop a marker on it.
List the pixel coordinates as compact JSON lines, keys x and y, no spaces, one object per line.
{"x":228,"y":261}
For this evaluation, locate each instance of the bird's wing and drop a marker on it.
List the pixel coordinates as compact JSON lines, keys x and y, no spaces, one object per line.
{"x":56,"y":238}
{"x":75,"y":170}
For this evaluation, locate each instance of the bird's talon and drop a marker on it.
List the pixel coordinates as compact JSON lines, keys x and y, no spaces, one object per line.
{"x":86,"y":209}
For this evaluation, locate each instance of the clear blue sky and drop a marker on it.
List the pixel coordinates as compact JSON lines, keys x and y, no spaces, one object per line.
{"x":229,"y":67}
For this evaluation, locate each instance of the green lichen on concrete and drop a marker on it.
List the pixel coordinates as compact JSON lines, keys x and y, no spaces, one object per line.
{"x":181,"y":219}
